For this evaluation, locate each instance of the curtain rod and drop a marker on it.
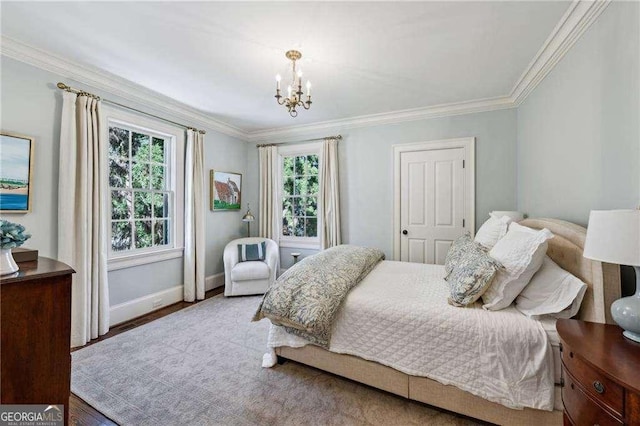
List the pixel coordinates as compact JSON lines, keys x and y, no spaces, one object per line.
{"x":338,"y":137}
{"x":64,"y":87}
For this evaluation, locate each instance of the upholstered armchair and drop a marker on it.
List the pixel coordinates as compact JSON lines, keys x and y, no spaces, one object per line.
{"x":249,"y":277}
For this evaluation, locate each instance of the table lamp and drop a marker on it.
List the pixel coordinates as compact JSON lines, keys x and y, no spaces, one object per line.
{"x":613,"y":236}
{"x":248,"y":217}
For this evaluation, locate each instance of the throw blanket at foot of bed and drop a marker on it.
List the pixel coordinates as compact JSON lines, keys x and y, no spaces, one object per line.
{"x":306,"y":298}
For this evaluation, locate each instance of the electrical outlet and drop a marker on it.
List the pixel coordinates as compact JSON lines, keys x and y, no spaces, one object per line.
{"x":157,"y":303}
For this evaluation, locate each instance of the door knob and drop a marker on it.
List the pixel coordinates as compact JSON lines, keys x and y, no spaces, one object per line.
{"x":405,"y":232}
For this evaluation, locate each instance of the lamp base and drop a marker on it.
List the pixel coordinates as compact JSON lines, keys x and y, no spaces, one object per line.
{"x":631,"y":336}
{"x":626,"y":312}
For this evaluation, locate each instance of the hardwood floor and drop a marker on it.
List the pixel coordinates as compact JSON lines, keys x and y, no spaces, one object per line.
{"x":81,"y":413}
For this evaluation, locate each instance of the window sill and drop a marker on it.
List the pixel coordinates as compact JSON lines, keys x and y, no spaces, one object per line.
{"x":301,"y":244}
{"x":139,"y":259}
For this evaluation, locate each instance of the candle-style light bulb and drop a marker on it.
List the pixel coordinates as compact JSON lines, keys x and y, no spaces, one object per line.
{"x":278,"y":78}
{"x":300,"y":78}
{"x":308,"y":88}
{"x":289,"y":90}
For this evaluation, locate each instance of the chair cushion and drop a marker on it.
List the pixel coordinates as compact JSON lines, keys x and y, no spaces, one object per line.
{"x":245,"y":271}
{"x":250,"y":252}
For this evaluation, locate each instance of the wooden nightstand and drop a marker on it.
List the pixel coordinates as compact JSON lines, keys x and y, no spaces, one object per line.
{"x":601,"y":373}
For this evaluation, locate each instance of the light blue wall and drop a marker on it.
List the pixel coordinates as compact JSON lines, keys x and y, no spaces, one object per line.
{"x":31,"y":105}
{"x":579,"y":131}
{"x":366,"y":170}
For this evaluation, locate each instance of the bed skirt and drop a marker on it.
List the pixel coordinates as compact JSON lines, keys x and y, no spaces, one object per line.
{"x":420,"y":389}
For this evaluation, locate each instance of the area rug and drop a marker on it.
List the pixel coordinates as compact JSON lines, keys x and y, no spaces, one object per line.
{"x":202,"y":366}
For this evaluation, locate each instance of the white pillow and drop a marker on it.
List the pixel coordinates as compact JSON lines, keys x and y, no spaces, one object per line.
{"x":521,"y":253}
{"x":552,"y":291}
{"x":492,"y":230}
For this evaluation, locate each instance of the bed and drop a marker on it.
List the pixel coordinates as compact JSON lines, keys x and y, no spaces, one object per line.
{"x":565,"y":249}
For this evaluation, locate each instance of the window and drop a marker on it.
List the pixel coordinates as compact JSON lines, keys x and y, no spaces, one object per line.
{"x":145,"y":195}
{"x":299,"y":189}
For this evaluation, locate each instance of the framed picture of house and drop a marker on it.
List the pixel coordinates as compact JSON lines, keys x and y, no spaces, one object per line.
{"x":225,"y":190}
{"x":16,"y":164}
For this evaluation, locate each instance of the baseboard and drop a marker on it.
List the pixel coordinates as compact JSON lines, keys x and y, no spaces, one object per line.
{"x":145,"y":304}
{"x":214,"y":281}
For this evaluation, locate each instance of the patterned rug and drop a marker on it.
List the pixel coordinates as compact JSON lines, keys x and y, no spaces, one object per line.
{"x":202,"y":366}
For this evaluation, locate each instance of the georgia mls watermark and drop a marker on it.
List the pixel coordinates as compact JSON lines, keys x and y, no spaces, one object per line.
{"x":31,"y":415}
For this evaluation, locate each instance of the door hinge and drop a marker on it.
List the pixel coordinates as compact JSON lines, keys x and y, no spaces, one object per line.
{"x":561,"y":382}
{"x":463,"y":223}
{"x":463,"y":164}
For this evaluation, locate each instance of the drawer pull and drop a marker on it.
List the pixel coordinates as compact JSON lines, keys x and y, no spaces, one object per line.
{"x":599,"y":387}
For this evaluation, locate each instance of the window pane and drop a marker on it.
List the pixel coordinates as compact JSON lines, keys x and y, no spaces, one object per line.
{"x":288,"y":187}
{"x":312,"y":163}
{"x":311,"y":207}
{"x":158,"y":177}
{"x":160,"y":205}
{"x":299,"y":165}
{"x":143,"y":234}
{"x":157,"y":150}
{"x":140,"y":175}
{"x":312,"y":227}
{"x":287,"y":217}
{"x":120,"y":236}
{"x":298,"y":226}
{"x":118,"y":142}
{"x":120,"y":204}
{"x":160,"y":232}
{"x":301,"y":185}
{"x":287,"y":167}
{"x":118,"y":173}
{"x":142,"y":205}
{"x":298,"y":206}
{"x":140,"y":147}
{"x":313,"y":186}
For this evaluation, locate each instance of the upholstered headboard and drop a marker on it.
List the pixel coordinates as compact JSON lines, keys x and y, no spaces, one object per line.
{"x":603,"y":279}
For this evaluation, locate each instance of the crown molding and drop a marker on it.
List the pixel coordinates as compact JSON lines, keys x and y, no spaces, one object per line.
{"x":113,"y":84}
{"x":393,"y":117}
{"x":576,"y":20}
{"x":578,"y":17}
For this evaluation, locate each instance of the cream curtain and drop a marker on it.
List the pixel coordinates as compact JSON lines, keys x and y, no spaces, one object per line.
{"x":330,"y":195}
{"x":268,"y":204}
{"x":194,"y":209}
{"x":83,"y":215}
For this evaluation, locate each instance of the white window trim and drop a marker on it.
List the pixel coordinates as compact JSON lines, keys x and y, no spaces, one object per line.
{"x":176,"y":176}
{"x":287,"y":151}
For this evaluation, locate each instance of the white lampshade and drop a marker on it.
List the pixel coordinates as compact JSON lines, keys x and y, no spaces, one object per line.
{"x":515,"y":216}
{"x":613,"y":236}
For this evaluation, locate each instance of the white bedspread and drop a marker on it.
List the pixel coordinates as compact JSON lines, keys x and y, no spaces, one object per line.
{"x":398,"y":316}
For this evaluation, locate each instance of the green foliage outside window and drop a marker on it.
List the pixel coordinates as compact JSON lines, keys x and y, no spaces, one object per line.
{"x":140,"y":196}
{"x":300,"y":196}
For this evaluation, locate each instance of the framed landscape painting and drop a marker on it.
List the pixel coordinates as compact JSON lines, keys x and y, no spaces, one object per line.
{"x":225,"y":190}
{"x":16,"y":163}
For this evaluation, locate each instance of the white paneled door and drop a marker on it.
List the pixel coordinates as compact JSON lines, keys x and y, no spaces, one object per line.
{"x":434,"y":203}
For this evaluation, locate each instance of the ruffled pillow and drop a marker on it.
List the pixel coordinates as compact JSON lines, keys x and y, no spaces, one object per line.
{"x":492,"y":230}
{"x":521,"y":252}
{"x":552,"y":291}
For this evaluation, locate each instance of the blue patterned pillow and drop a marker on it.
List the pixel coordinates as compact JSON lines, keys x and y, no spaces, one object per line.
{"x":460,"y":246}
{"x":252,"y":252}
{"x":471,"y":276}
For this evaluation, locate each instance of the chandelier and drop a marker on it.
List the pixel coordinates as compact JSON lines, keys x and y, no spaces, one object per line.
{"x":294,"y":90}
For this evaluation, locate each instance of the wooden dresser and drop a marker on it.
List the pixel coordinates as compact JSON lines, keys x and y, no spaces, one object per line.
{"x":35,"y":323}
{"x":601,"y":373}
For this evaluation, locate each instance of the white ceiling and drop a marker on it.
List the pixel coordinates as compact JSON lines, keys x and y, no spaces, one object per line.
{"x":362,"y":57}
